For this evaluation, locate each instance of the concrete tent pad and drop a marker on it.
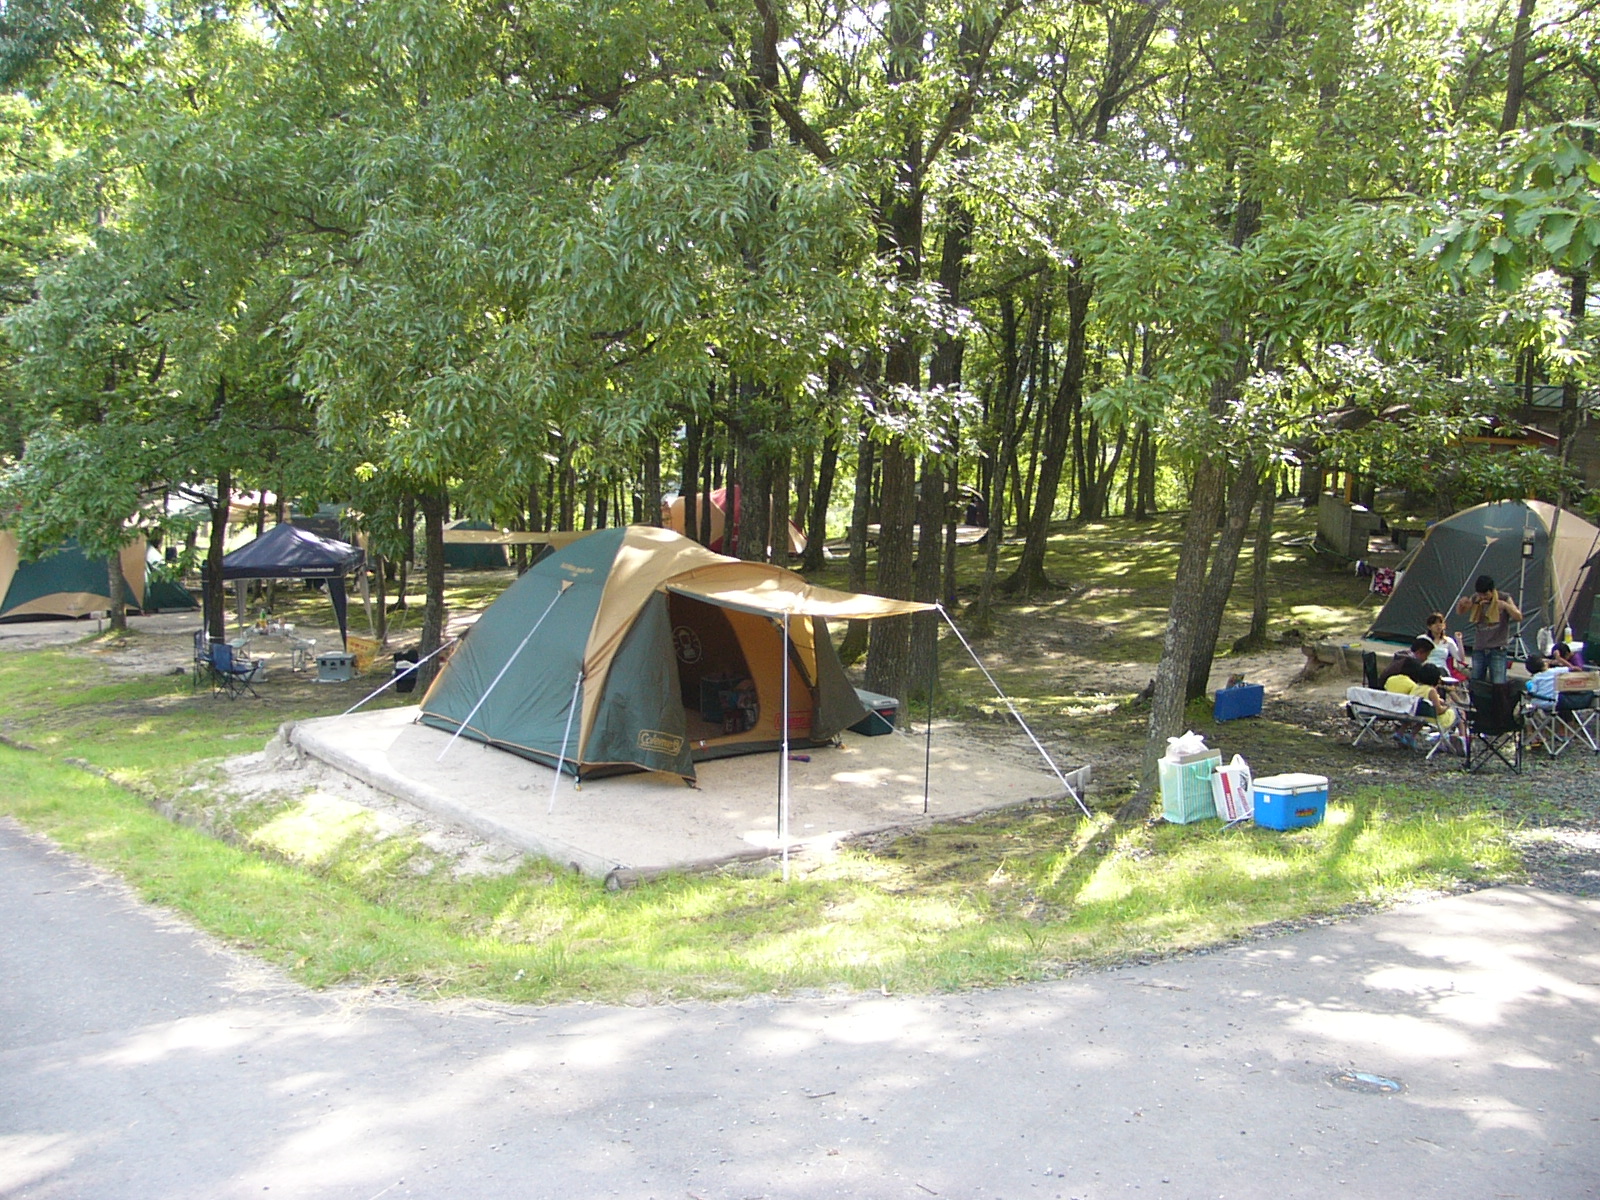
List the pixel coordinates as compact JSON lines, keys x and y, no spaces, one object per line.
{"x":650,"y":821}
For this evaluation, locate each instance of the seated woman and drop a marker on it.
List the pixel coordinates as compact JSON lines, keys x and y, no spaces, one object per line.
{"x":1563,"y":655}
{"x":1446,"y":653}
{"x":1421,"y":680}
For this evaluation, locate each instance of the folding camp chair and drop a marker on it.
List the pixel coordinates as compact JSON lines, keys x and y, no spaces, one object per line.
{"x":200,"y":669}
{"x":1371,"y":708}
{"x":1369,"y":670}
{"x":1570,"y":717}
{"x":1545,"y":727}
{"x":1578,"y":707}
{"x":1494,"y":725}
{"x":1452,"y":739}
{"x":231,"y":671}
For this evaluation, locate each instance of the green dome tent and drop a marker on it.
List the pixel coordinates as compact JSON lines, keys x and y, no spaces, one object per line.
{"x":469,"y":554}
{"x":1546,"y":558}
{"x":637,"y":649}
{"x":64,"y":583}
{"x":163,"y":588}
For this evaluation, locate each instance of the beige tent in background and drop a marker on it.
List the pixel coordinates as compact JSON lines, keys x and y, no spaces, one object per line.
{"x":672,"y":517}
{"x":66,"y":583}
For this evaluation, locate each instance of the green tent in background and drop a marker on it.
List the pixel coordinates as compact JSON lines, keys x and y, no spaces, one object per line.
{"x":66,"y":583}
{"x":472,"y":556}
{"x":1546,"y":558}
{"x":163,"y":589}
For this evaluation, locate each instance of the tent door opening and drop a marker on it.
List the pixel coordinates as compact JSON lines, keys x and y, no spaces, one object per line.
{"x":729,"y":677}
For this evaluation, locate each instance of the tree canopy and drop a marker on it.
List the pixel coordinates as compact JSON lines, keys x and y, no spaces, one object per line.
{"x":539,"y":263}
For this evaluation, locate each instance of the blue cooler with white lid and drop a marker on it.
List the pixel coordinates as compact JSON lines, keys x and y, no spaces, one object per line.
{"x":1291,"y":801}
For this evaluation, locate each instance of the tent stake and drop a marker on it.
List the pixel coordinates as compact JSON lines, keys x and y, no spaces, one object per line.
{"x":1037,"y":745}
{"x":521,"y":646}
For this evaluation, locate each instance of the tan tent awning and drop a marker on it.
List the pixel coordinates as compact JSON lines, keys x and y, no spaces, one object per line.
{"x":758,"y":588}
{"x":510,"y":537}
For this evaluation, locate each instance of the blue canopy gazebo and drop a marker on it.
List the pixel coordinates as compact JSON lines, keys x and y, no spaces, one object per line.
{"x":289,"y":552}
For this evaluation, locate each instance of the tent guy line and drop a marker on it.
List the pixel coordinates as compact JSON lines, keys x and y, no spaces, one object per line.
{"x":506,"y":666}
{"x":397,"y":677}
{"x":566,"y":738}
{"x":1045,"y":754}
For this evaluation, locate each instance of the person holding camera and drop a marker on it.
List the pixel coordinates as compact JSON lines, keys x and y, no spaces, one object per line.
{"x":1491,"y":612}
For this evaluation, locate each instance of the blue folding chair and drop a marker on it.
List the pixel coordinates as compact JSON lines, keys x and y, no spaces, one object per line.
{"x":231,"y":672}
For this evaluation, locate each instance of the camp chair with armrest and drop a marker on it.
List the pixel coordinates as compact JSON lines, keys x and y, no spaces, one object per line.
{"x":1454,"y":736}
{"x":1570,"y":717}
{"x":1494,"y":725}
{"x":1369,"y":670}
{"x":1577,"y":706}
{"x":231,"y":671}
{"x":1545,"y":727}
{"x":200,"y":668}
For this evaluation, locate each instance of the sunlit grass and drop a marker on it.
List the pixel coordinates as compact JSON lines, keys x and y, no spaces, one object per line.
{"x":313,"y":887}
{"x":326,"y":890}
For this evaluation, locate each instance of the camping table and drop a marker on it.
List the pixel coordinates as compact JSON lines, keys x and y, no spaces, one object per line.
{"x":300,"y":649}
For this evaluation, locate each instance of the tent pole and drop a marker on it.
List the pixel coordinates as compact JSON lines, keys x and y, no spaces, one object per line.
{"x":783,"y":757}
{"x":1045,"y":754}
{"x":565,"y":584}
{"x":1522,"y":577}
{"x":1563,"y":609}
{"x":1555,"y":607}
{"x":927,"y":742}
{"x":566,"y":734}
{"x":1471,"y":573}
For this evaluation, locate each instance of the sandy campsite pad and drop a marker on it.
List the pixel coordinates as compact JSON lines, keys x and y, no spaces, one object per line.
{"x":647,"y":822}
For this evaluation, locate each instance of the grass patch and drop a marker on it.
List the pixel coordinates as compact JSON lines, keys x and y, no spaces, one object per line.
{"x":319,"y":887}
{"x":1006,"y":898}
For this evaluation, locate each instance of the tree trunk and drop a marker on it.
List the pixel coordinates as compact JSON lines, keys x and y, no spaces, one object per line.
{"x":380,"y":596}
{"x":1260,"y":566}
{"x":753,"y":477}
{"x":116,"y":594}
{"x":855,"y":635}
{"x":778,"y":514}
{"x":1516,"y":67}
{"x":817,"y":520}
{"x":690,"y":476}
{"x":1177,"y":643}
{"x":927,"y":568}
{"x":1242,"y":491}
{"x":650,"y":485}
{"x":1029,"y":577}
{"x":435,"y":504}
{"x":216,"y":603}
{"x":888,"y":668}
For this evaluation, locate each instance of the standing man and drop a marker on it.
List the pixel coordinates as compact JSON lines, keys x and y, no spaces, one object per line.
{"x":1491,"y":613}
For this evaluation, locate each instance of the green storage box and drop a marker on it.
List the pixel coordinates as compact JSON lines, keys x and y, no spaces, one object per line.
{"x":881,"y":714}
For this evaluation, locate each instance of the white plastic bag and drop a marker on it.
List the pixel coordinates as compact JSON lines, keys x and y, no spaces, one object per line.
{"x":1230,"y":790}
{"x":1186,"y":748}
